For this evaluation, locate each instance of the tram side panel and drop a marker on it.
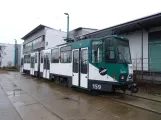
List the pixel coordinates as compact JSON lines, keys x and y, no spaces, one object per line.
{"x":61,"y":69}
{"x":26,"y":68}
{"x":61,"y":62}
{"x":26,"y":65}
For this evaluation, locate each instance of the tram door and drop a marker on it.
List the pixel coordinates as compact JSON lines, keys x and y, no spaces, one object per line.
{"x":32,"y":65}
{"x":46,"y":66}
{"x":80,"y":67}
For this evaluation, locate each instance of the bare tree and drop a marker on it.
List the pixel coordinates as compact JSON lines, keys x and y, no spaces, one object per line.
{"x":2,"y":52}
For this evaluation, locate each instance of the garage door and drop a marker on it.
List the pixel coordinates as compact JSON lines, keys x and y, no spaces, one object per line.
{"x":155,"y":51}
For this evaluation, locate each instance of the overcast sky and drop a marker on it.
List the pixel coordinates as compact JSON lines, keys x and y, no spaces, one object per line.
{"x":18,"y":17}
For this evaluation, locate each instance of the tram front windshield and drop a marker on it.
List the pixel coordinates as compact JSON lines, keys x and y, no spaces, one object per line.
{"x":123,"y":51}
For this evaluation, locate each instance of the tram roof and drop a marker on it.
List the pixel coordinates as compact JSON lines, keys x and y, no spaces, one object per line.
{"x":114,"y":36}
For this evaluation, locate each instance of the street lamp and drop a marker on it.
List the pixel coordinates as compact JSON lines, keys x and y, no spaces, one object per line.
{"x":67,"y":26}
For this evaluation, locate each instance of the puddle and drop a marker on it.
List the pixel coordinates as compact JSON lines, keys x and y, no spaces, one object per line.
{"x":68,"y":98}
{"x":15,"y":91}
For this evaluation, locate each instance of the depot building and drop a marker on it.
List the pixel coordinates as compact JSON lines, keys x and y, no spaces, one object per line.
{"x":144,"y":38}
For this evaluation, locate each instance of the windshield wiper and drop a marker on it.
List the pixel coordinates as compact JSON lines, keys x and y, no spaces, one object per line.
{"x":122,"y":57}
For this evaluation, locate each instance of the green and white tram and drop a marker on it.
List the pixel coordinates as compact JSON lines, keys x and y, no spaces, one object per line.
{"x":102,"y":64}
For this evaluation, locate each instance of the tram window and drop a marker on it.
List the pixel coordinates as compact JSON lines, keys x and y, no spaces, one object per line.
{"x":35,"y":57}
{"x":29,"y":59}
{"x":22,"y":61}
{"x":65,"y":53}
{"x":75,"y":61}
{"x":47,"y":62}
{"x":24,"y":58}
{"x":55,"y":55}
{"x":110,"y":50}
{"x":41,"y":57}
{"x":44,"y":61}
{"x":32,"y":62}
{"x":97,"y":51}
{"x":84,"y":61}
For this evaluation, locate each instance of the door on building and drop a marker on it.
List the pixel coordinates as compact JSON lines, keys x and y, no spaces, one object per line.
{"x":46,"y":66}
{"x":32,"y":64}
{"x":154,"y":51}
{"x":155,"y":57}
{"x":80,"y":68}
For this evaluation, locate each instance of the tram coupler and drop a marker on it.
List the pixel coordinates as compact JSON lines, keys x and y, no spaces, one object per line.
{"x":133,"y":87}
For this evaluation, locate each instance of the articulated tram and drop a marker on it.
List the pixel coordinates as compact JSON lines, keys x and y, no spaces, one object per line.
{"x":102,"y":64}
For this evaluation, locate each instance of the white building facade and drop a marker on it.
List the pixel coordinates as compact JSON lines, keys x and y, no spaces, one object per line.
{"x":42,"y":37}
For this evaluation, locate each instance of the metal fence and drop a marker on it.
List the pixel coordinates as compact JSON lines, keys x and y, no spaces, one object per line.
{"x":147,"y":68}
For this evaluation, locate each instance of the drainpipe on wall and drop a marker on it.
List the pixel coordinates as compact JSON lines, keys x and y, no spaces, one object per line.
{"x":142,"y":37}
{"x":15,"y":53}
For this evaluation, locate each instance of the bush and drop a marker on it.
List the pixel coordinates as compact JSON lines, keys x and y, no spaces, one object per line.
{"x":4,"y":67}
{"x":13,"y":67}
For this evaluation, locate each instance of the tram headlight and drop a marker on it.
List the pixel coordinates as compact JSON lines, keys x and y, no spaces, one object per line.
{"x":122,"y":77}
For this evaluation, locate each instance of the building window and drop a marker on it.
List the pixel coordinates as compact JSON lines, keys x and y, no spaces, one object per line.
{"x":65,"y":53}
{"x":97,"y":48}
{"x":34,"y":42}
{"x":55,"y":55}
{"x":43,"y":38}
{"x":42,"y":56}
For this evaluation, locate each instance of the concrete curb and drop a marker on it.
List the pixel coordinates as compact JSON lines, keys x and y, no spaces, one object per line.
{"x":143,"y":97}
{"x":150,"y":110}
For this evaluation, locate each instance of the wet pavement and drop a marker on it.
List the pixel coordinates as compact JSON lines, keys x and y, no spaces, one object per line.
{"x":25,"y":98}
{"x":139,"y":102}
